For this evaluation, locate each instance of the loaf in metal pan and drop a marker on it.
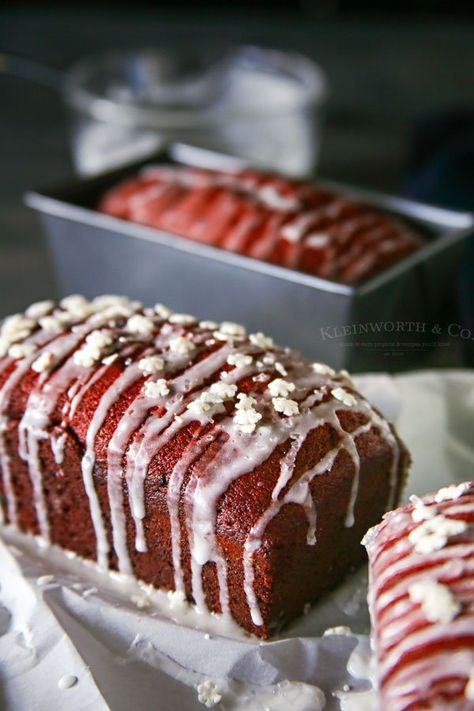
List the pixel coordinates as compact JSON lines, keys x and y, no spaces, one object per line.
{"x":293,"y":224}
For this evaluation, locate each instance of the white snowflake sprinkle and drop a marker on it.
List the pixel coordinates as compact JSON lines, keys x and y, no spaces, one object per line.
{"x":43,"y":363}
{"x":246,"y":420}
{"x":94,"y":349}
{"x":343,"y":396}
{"x":52,"y":324}
{"x":229,"y":331}
{"x":437,"y":602}
{"x":205,"y":402}
{"x":182,"y":319}
{"x":140,"y":325}
{"x":223,"y":391}
{"x":216,"y":395}
{"x":16,"y":328}
{"x":323,"y":369}
{"x":77,"y":306}
{"x":39,"y":309}
{"x":155,"y":389}
{"x":151,"y":364}
{"x":99,"y":340}
{"x":261,"y":341}
{"x":285,"y":406}
{"x":209,"y":693}
{"x":162,"y":311}
{"x":450,"y":493}
{"x":240,"y":360}
{"x":209,"y":325}
{"x":245,"y":402}
{"x":281,"y":368}
{"x":106,"y":301}
{"x":421,"y":512}
{"x":181,"y":345}
{"x":280,"y":388}
{"x":434,"y":533}
{"x":246,"y":417}
{"x":232,"y":329}
{"x":22,"y":350}
{"x":85,"y":357}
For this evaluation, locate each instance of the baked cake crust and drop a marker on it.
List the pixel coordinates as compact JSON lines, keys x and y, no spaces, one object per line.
{"x":190,"y":455}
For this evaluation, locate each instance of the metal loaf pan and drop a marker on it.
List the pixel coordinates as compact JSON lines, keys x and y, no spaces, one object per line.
{"x":352,"y":327}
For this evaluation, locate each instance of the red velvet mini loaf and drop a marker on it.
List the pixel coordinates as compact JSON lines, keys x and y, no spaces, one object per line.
{"x":189,"y":455}
{"x":286,"y":222}
{"x":421,"y":597}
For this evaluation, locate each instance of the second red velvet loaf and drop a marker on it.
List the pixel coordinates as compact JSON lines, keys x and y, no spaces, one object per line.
{"x":298,"y":225}
{"x":189,"y":454}
{"x":421,"y":595}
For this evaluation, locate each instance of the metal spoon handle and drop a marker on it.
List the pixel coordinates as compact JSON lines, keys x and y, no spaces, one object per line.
{"x":31,"y":70}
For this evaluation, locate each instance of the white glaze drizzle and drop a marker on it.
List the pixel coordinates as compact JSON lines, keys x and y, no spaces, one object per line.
{"x":158,"y":431}
{"x":299,"y":492}
{"x":21,"y":369}
{"x":35,"y":423}
{"x":129,"y":376}
{"x":57,"y":445}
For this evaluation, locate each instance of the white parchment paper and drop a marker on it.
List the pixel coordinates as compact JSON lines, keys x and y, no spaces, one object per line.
{"x":57,"y":629}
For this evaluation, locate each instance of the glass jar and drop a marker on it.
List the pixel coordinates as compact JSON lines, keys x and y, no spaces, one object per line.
{"x":257,"y":104}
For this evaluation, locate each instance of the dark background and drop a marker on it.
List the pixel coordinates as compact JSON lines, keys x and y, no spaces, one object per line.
{"x":400,"y":76}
